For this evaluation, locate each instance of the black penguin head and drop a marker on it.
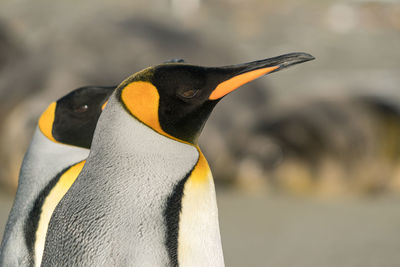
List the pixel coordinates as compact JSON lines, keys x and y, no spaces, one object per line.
{"x":176,"y":99}
{"x":73,"y":118}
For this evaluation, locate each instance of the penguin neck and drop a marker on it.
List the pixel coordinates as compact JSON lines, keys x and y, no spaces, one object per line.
{"x":45,"y":159}
{"x":180,"y":191}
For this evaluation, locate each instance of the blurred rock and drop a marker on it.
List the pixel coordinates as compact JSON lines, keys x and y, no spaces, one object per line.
{"x":278,"y":134}
{"x":321,"y":147}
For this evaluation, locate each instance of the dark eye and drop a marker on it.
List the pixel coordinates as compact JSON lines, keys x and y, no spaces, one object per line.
{"x":189,"y":93}
{"x":81,"y":109}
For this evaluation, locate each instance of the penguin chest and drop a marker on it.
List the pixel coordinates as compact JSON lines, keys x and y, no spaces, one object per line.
{"x":199,"y":241}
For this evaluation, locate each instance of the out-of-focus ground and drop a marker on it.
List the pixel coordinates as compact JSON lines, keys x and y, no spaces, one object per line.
{"x":272,"y":230}
{"x":326,"y":131}
{"x":282,"y":231}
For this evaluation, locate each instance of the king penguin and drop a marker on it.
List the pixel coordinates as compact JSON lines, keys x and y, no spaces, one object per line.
{"x":146,"y":196}
{"x":55,"y":156}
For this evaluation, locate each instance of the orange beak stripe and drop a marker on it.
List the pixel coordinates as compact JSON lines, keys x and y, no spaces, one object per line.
{"x":230,"y":85}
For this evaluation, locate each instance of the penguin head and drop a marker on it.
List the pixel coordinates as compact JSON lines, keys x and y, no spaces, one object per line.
{"x":72,"y":119}
{"x":176,"y":99}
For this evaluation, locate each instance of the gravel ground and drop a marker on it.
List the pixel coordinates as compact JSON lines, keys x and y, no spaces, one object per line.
{"x":284,"y":231}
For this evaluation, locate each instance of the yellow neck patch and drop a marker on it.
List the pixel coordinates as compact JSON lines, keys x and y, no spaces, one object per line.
{"x":199,"y":215}
{"x":201,"y":171}
{"x":46,"y":121}
{"x":50,"y":203}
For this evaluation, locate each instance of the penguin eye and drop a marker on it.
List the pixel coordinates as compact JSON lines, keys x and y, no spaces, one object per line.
{"x":189,"y":93}
{"x":81,"y":109}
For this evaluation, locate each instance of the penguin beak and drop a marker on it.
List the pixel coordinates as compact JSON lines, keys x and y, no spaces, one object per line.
{"x":238,"y":75}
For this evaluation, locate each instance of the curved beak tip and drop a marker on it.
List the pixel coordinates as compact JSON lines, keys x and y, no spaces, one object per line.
{"x":306,"y":57}
{"x":293,"y":59}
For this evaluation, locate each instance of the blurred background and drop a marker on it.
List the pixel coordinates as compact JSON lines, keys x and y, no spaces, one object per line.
{"x":306,"y":161}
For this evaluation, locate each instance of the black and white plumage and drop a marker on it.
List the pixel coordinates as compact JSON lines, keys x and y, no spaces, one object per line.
{"x":145,"y":196}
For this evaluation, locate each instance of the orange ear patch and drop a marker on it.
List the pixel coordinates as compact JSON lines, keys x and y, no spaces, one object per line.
{"x":46,"y":121}
{"x":142,"y":100}
{"x":230,"y":85}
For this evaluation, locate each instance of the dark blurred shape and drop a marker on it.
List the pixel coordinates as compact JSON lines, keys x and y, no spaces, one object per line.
{"x":175,"y":60}
{"x":8,"y":47}
{"x":320,"y":146}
